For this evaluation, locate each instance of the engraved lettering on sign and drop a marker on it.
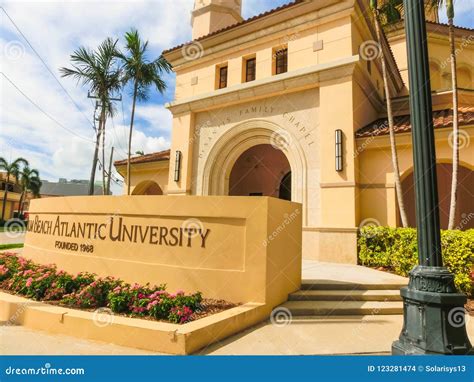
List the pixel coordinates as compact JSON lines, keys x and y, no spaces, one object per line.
{"x":117,"y":230}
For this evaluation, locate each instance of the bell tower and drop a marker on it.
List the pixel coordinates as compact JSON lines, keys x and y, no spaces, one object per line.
{"x":211,"y":15}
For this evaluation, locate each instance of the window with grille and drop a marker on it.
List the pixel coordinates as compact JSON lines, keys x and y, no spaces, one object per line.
{"x":250,"y":69}
{"x":281,"y":61}
{"x":223,"y":77}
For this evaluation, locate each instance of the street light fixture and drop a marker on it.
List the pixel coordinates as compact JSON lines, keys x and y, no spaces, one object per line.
{"x":177,"y":166}
{"x":338,"y":142}
{"x":431,"y":305}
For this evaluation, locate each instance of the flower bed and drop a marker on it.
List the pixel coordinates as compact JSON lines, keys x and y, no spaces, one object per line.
{"x":88,"y":291}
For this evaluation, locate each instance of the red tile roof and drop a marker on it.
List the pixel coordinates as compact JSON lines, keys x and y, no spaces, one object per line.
{"x":147,"y":158}
{"x":447,"y":26}
{"x":402,"y":124}
{"x":261,"y":15}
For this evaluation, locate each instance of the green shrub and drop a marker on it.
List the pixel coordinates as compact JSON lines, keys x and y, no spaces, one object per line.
{"x":93,"y":295}
{"x":396,"y":249}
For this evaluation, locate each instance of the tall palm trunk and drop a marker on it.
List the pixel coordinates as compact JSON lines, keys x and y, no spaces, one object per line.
{"x":104,"y":184}
{"x":454,"y":81}
{"x":110,"y":170}
{"x":393,"y":144}
{"x":5,"y":195}
{"x":135,"y":91}
{"x":96,"y":153}
{"x":20,"y":203}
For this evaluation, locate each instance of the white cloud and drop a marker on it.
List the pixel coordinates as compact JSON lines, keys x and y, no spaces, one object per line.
{"x":56,"y":29}
{"x":463,"y":13}
{"x":157,"y":115}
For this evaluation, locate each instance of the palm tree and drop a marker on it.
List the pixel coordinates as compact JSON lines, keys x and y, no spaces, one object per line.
{"x":391,"y":10}
{"x":98,"y":70}
{"x":454,"y":85}
{"x":11,"y":169}
{"x":30,"y":182}
{"x":389,"y":7}
{"x":142,"y":73}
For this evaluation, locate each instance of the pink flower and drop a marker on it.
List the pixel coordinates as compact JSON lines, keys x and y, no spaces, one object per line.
{"x":29,"y":282}
{"x":156,"y":294}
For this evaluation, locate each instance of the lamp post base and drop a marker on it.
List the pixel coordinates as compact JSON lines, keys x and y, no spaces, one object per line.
{"x":434,"y":315}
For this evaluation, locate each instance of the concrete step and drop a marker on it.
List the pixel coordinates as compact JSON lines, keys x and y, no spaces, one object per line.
{"x":342,"y":308}
{"x":339,"y":285}
{"x":346,"y":295}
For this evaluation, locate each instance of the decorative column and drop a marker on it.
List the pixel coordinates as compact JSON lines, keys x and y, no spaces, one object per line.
{"x":433,"y":318}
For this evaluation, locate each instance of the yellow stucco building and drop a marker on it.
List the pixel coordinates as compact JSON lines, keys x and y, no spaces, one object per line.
{"x":13,"y":195}
{"x":290,"y":104}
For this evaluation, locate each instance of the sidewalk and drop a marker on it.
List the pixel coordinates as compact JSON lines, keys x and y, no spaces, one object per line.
{"x":314,"y":271}
{"x":12,"y":238}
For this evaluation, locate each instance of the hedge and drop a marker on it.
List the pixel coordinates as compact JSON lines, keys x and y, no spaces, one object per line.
{"x":396,"y":249}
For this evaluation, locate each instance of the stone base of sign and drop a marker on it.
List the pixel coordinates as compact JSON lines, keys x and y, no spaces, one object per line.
{"x":239,"y":249}
{"x":160,"y":337}
{"x":245,"y":250}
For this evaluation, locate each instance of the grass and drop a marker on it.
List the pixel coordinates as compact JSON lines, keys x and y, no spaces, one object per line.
{"x":11,"y":228}
{"x":3,"y":229}
{"x":10,"y":246}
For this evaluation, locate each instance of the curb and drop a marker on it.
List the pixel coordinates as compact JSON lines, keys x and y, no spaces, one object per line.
{"x":138,"y":333}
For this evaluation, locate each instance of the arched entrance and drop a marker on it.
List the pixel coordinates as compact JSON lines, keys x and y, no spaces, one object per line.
{"x":147,"y":187}
{"x":285,"y":187}
{"x":465,"y":197}
{"x":261,"y":170}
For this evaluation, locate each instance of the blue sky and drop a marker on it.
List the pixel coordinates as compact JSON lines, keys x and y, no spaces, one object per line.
{"x":63,"y":147}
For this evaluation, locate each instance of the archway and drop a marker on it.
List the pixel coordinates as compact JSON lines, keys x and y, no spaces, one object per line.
{"x":147,"y":187}
{"x":261,"y":170}
{"x":465,"y":197}
{"x":215,"y":174}
{"x":285,"y":187}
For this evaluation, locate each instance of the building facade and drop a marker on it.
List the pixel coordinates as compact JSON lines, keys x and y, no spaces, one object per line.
{"x":64,"y":187}
{"x":12,"y":198}
{"x":290,"y":104}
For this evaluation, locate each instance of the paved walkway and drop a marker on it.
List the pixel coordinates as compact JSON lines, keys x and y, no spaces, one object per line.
{"x":341,"y":335}
{"x":347,"y":273}
{"x":12,"y":238}
{"x":18,"y":340}
{"x":372,"y":334}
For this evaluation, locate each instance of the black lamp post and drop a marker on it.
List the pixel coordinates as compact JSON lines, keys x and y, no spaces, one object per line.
{"x":433,"y":319}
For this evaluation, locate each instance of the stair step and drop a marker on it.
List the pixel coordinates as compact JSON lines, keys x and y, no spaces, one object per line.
{"x":339,"y":285}
{"x":342,"y":308}
{"x":346,"y":295}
